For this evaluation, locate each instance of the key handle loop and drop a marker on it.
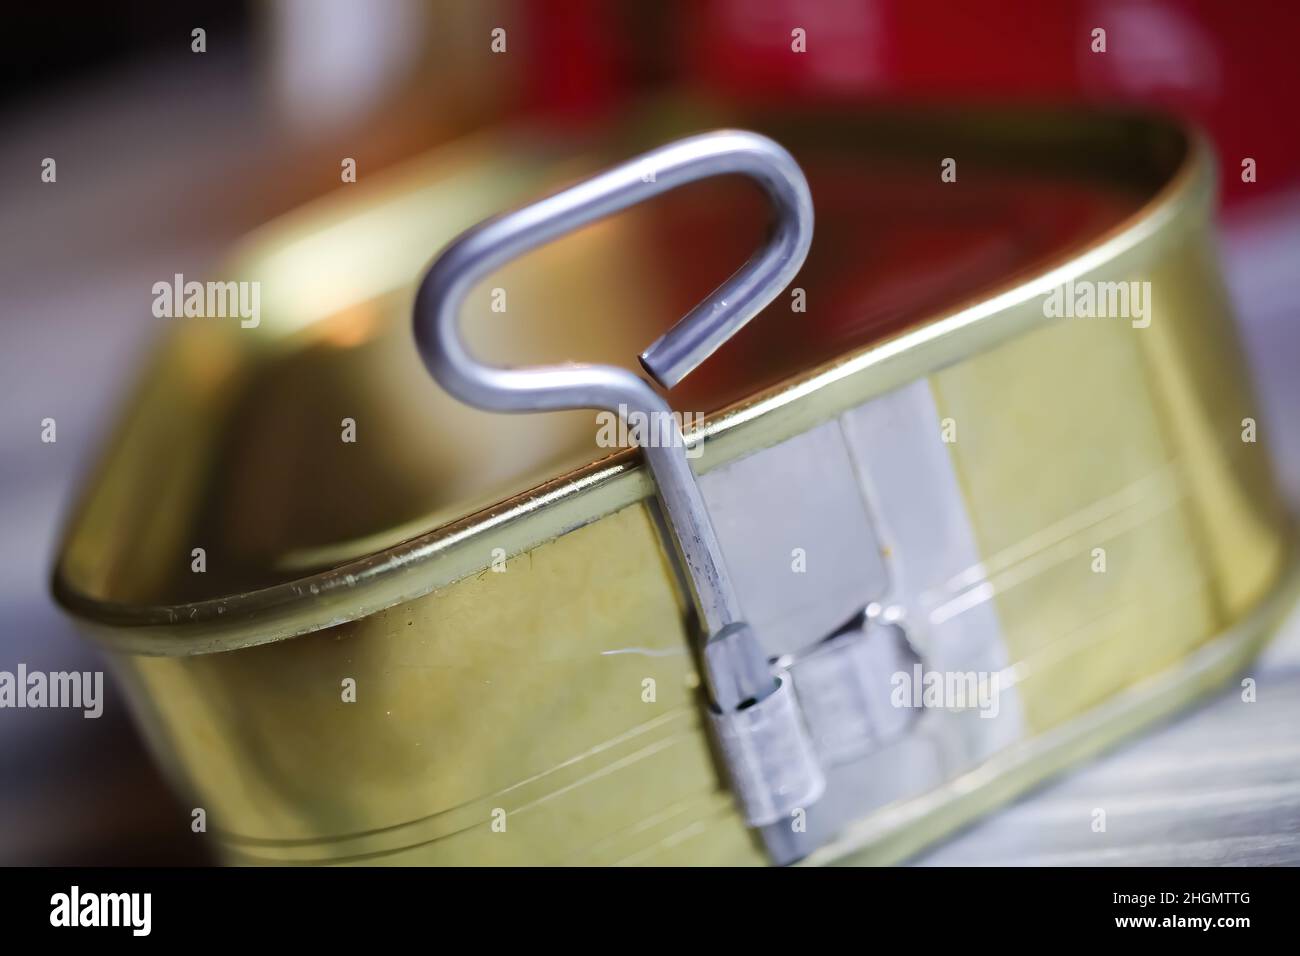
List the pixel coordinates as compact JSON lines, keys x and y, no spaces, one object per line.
{"x":484,"y":248}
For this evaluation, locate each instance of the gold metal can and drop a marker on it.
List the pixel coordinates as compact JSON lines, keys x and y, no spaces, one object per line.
{"x":361,"y":622}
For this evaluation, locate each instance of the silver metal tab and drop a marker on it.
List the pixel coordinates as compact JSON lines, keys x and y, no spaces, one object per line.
{"x":845,"y":685}
{"x":873,"y":499}
{"x":800,"y":544}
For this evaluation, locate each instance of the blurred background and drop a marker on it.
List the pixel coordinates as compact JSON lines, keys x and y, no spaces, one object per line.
{"x":166,"y":155}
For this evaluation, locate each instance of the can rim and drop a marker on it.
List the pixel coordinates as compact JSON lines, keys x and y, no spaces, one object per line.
{"x":439,"y":557}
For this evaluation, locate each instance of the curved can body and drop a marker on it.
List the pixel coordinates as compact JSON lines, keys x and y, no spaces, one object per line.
{"x":985,"y":480}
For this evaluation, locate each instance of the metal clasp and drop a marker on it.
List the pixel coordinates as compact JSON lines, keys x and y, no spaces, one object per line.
{"x":766,"y":745}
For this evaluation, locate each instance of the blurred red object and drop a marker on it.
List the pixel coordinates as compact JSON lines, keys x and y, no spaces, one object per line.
{"x":1229,"y":68}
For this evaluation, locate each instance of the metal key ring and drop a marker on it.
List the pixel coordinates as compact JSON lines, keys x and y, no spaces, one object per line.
{"x":481,"y":250}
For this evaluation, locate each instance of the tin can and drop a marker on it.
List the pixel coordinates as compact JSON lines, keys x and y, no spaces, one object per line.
{"x":986,"y":479}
